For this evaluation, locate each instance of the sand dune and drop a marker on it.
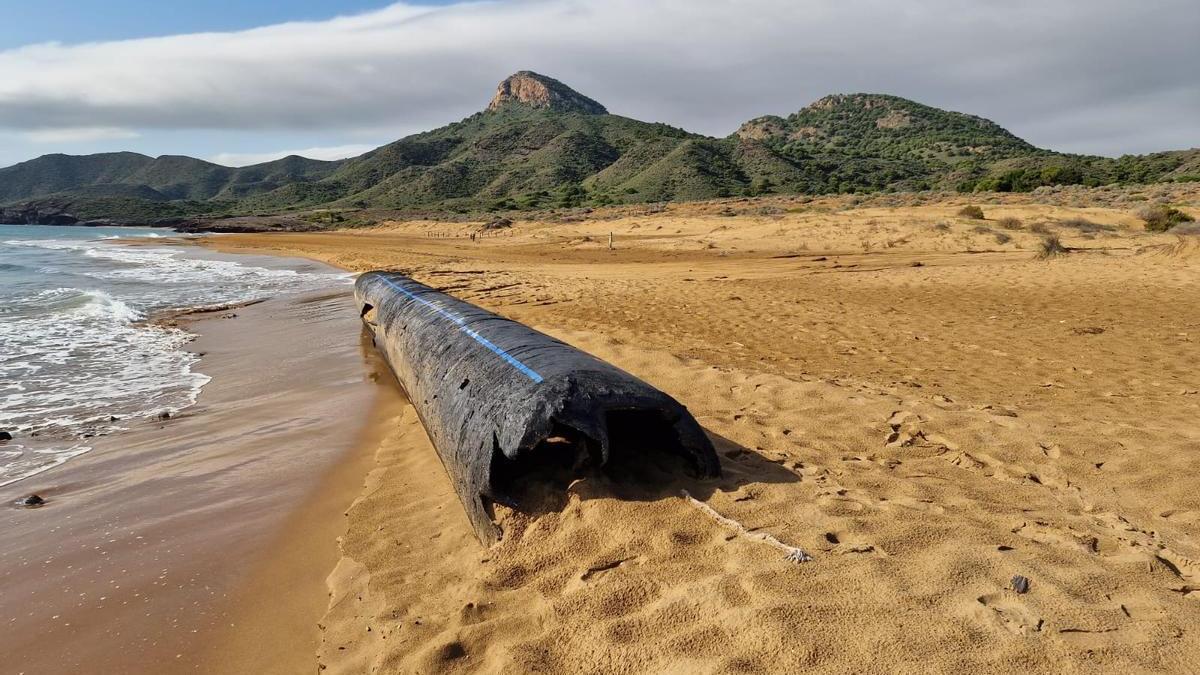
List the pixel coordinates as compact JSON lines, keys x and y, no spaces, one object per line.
{"x":926,"y":410}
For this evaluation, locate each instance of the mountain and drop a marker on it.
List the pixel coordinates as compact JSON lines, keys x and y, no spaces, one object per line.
{"x":872,"y":141}
{"x":540,"y":144}
{"x":164,"y":178}
{"x":855,"y":142}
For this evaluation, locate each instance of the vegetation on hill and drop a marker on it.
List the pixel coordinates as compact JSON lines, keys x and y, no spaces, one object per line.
{"x":539,"y":144}
{"x":166,"y":178}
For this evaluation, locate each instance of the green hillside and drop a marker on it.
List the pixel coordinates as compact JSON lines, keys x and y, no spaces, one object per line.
{"x":541,"y":144}
{"x":519,"y":155}
{"x":171,"y":177}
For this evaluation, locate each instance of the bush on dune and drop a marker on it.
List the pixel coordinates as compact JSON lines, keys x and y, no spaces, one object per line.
{"x":1162,"y":218}
{"x":972,"y":212}
{"x":1085,"y":225}
{"x":1051,"y":246}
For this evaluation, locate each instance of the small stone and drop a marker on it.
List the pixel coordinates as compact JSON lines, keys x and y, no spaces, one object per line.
{"x":164,"y":415}
{"x":5,"y":436}
{"x":1020,"y":584}
{"x":32,"y":500}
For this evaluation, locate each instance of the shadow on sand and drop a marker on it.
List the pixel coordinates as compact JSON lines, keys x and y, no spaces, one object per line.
{"x":648,"y":474}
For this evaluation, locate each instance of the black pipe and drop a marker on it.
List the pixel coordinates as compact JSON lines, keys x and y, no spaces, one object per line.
{"x":501,"y":400}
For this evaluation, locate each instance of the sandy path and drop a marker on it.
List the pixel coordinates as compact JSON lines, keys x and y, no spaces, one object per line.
{"x":926,"y":432}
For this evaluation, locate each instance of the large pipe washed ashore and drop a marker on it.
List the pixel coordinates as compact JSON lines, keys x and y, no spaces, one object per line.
{"x":502,"y":402}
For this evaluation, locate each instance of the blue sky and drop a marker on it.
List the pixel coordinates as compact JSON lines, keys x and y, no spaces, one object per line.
{"x":251,"y":80}
{"x":73,"y":21}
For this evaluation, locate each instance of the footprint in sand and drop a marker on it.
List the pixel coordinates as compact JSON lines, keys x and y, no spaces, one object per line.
{"x":1181,"y":566}
{"x":1045,"y":533}
{"x":1007,"y":612}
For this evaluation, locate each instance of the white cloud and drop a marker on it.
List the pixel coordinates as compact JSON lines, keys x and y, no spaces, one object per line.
{"x":326,"y":153}
{"x":79,"y":134}
{"x":1045,"y":69}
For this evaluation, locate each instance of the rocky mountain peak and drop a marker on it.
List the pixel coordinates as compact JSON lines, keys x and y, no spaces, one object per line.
{"x":530,"y":89}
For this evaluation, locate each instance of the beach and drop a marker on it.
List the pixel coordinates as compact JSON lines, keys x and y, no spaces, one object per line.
{"x":924,"y":402}
{"x":930,"y":410}
{"x":147,"y":546}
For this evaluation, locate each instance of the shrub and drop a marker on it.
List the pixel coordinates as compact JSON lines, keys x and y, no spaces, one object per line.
{"x":1009,"y":223}
{"x":942,"y":227}
{"x":1162,"y":218}
{"x":972,"y":212}
{"x":1002,"y":238}
{"x":1191,"y":229}
{"x":1085,"y":225}
{"x":1051,"y":246}
{"x":1039,"y":228}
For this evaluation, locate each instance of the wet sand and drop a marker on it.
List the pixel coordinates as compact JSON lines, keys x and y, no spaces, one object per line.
{"x":149,"y":545}
{"x":915,"y":398}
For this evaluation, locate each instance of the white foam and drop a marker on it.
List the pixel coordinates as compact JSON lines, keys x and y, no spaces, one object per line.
{"x":18,"y":465}
{"x":72,"y":357}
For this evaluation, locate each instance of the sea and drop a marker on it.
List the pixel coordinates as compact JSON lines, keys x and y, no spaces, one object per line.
{"x":78,"y":358}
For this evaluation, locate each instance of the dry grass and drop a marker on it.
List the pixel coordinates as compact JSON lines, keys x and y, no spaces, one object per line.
{"x":1009,"y":223}
{"x":1051,"y":246}
{"x":972,"y":212}
{"x":1085,"y":225}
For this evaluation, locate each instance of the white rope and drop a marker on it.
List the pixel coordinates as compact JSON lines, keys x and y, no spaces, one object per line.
{"x":791,"y":553}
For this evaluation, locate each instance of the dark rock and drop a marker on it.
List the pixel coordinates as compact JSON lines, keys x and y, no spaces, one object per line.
{"x":1020,"y":584}
{"x":164,"y":415}
{"x":5,"y":436}
{"x":32,"y":500}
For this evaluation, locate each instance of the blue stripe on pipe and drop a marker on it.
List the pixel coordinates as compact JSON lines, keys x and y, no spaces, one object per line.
{"x":461,"y":323}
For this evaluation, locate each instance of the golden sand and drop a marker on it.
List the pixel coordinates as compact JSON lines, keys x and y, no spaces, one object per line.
{"x":914,"y":398}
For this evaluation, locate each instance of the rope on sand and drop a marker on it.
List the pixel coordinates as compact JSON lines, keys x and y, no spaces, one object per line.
{"x":791,"y":553}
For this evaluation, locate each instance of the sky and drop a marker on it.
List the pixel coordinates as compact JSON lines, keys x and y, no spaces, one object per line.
{"x":239,"y":82}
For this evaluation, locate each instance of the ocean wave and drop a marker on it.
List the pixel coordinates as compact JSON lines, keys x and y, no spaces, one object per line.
{"x":53,"y":244}
{"x":101,"y":305}
{"x":76,"y":357}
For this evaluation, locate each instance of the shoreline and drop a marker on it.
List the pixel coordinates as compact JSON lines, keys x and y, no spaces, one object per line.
{"x":148,"y":543}
{"x":274,"y":613}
